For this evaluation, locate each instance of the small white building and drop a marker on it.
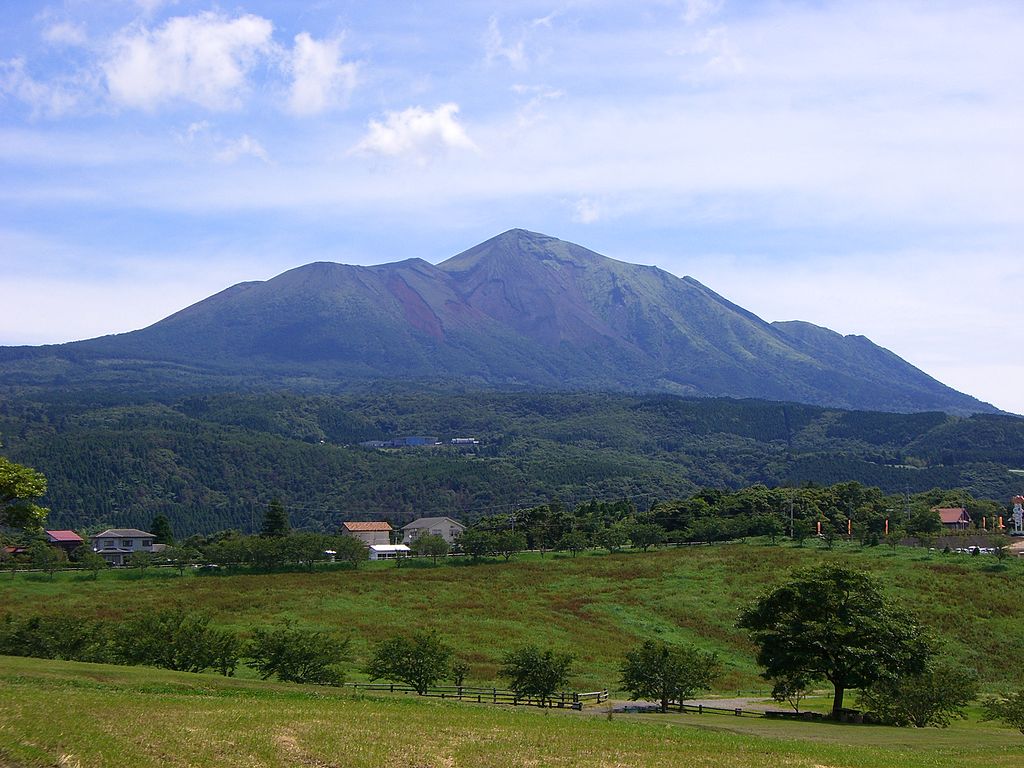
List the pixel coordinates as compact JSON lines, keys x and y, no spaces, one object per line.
{"x":117,"y":545}
{"x":445,"y":527}
{"x":388,"y":551}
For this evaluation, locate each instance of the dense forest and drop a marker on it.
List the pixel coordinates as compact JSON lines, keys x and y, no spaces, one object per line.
{"x":214,"y":460}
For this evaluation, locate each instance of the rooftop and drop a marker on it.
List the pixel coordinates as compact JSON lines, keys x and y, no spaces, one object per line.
{"x":63,"y":536}
{"x":362,"y":527}
{"x":125,"y":533}
{"x":427,"y":522}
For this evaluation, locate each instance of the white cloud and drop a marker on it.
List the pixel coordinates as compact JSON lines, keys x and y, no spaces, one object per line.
{"x":244,"y":146}
{"x":65,"y":33}
{"x":496,"y":48}
{"x":46,"y":99}
{"x":320,"y":80}
{"x":204,"y":59}
{"x":697,"y":10}
{"x":417,"y":132}
{"x":585,"y":211}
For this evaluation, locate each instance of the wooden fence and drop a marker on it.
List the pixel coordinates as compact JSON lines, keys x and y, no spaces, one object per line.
{"x":560,"y":700}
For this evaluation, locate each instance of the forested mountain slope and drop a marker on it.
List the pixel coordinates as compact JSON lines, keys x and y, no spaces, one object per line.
{"x":211,"y":461}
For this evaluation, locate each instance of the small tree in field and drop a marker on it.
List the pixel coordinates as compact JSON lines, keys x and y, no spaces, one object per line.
{"x":934,"y":697}
{"x":509,"y":543}
{"x":142,"y":561}
{"x":1008,"y":709}
{"x":46,"y":558}
{"x":669,"y":674}
{"x":297,"y":655}
{"x":431,"y":545}
{"x":477,"y":544}
{"x":182,"y":557}
{"x":350,"y":550}
{"x":459,"y":671}
{"x":92,"y":562}
{"x":537,"y":674}
{"x":646,"y":535}
{"x":574,"y":542}
{"x":792,"y":689}
{"x":421,"y":660}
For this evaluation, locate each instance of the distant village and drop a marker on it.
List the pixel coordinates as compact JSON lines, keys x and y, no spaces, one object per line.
{"x":419,"y":441}
{"x":383,"y":542}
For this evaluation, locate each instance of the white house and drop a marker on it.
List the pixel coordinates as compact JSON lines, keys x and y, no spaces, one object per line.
{"x":117,"y":545}
{"x":445,"y":527}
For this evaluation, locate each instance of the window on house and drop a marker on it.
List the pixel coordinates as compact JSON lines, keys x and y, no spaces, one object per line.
{"x":108,"y":543}
{"x":126,"y":542}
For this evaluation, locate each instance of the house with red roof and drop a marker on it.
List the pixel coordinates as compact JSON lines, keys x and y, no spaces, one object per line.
{"x":954,"y":517}
{"x":69,"y":541}
{"x":371,"y":534}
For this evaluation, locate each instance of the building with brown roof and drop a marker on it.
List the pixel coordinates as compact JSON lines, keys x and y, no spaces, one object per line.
{"x":370,"y":534}
{"x":69,"y":541}
{"x":954,"y":517}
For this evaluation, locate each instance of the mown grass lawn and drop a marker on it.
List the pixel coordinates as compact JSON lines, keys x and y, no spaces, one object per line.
{"x":97,"y":716}
{"x":595,"y":605}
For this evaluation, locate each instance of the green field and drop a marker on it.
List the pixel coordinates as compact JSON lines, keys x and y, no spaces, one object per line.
{"x":596,"y":605}
{"x":92,"y":716}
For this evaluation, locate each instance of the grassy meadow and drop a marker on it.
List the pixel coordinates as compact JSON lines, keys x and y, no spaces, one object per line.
{"x":596,"y":605}
{"x":92,"y":716}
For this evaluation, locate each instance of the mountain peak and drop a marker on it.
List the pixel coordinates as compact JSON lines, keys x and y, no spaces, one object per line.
{"x":522,"y":308}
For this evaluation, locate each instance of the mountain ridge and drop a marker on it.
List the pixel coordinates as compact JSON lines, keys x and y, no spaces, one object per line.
{"x":519,"y":309}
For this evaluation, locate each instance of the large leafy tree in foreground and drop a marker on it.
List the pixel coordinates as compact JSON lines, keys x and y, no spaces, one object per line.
{"x":833,"y":623}
{"x":19,"y":488}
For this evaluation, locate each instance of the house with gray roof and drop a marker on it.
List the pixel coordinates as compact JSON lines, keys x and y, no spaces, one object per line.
{"x":445,"y":527}
{"x":117,"y":545}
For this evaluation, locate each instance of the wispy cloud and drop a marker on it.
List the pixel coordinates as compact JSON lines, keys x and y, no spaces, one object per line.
{"x":244,"y":146}
{"x":321,"y":80}
{"x":45,"y":98}
{"x":65,"y":33}
{"x":496,"y":47}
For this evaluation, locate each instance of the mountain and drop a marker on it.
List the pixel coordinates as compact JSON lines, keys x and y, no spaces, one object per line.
{"x":519,"y":310}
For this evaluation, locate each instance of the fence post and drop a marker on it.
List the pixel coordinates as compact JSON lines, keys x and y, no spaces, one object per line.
{"x":700,"y":709}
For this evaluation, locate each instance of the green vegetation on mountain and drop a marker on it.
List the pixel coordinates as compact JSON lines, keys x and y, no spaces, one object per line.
{"x":216,"y":461}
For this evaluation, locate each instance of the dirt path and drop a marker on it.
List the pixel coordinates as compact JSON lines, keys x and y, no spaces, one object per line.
{"x":754,"y":704}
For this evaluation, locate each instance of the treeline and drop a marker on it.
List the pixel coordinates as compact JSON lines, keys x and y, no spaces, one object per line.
{"x":842,"y":510}
{"x":173,"y":638}
{"x":212,"y":461}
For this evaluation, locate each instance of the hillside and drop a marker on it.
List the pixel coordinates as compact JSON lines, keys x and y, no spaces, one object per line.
{"x":595,"y":605}
{"x":519,"y":310}
{"x":215,"y":461}
{"x":151,"y":718}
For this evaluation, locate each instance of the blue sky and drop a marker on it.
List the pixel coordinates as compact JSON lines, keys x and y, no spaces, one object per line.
{"x":856,"y":165}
